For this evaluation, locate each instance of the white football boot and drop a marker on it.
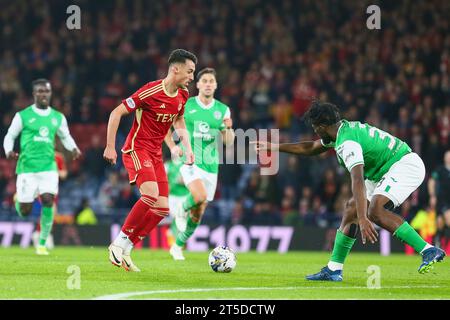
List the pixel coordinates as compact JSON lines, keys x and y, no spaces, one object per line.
{"x":128,"y":264}
{"x":115,"y":255}
{"x":176,"y":252}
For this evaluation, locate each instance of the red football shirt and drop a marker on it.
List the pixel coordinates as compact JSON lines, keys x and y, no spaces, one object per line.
{"x":155,"y":112}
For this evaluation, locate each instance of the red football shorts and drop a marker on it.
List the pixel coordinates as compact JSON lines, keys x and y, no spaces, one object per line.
{"x":142,"y":167}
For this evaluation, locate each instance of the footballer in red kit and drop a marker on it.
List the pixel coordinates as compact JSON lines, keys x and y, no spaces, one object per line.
{"x":158,"y":105}
{"x":155,"y":111}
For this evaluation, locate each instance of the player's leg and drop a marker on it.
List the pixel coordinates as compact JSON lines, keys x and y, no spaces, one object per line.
{"x":193,"y":177}
{"x":155,"y":214}
{"x":345,"y":238}
{"x":160,"y":208}
{"x":26,"y":192}
{"x":157,"y":211}
{"x":188,"y":214}
{"x":399,"y":182}
{"x":48,"y":188}
{"x":145,"y":178}
{"x":46,"y":222}
{"x":203,"y":190}
{"x":193,"y":221}
{"x":174,"y":203}
{"x":129,"y":233}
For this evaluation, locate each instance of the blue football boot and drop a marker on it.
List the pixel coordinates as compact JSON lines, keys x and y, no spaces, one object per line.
{"x":429,"y":258}
{"x":326,"y":275}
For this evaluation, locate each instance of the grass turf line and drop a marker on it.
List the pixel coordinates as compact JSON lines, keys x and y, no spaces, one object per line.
{"x":24,"y":275}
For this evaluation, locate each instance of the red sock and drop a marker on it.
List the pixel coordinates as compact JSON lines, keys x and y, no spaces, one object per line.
{"x":151,"y":220}
{"x":137,"y":213}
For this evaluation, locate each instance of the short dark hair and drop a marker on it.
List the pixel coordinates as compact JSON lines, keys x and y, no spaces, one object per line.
{"x":38,"y":82}
{"x":206,"y":71}
{"x":322,"y":113}
{"x":180,"y":56}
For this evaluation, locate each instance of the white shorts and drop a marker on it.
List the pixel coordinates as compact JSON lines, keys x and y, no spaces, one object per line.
{"x":31,"y":185}
{"x":402,"y":179}
{"x":192,"y":172}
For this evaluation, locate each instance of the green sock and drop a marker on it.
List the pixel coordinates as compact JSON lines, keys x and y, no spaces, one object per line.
{"x":182,"y":237}
{"x":342,"y":246}
{"x":17,"y":205}
{"x":189,"y":203}
{"x":407,"y":234}
{"x":46,"y":224}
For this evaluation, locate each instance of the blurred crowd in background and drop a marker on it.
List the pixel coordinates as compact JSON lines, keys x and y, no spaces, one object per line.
{"x":271,"y":58}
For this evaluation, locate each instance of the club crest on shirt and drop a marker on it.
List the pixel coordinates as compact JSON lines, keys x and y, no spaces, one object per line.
{"x":147,"y":163}
{"x":217,"y":115}
{"x":43,"y":131}
{"x":203,"y":127}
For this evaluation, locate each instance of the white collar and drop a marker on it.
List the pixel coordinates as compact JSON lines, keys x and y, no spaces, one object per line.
{"x":339,"y":129}
{"x":202,"y":105}
{"x":167,"y":92}
{"x":41,"y":112}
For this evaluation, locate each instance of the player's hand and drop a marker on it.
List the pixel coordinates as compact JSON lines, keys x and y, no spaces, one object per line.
{"x":368,"y":231}
{"x":264,"y":146}
{"x":228,"y":122}
{"x":176,"y":152}
{"x":189,"y":157}
{"x":76,"y":153}
{"x":110,"y":155}
{"x":12,"y":155}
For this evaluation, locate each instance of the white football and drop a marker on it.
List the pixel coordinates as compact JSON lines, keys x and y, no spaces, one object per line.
{"x":222,"y":259}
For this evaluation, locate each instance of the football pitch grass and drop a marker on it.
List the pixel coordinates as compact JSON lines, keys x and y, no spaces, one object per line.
{"x":259,"y":276}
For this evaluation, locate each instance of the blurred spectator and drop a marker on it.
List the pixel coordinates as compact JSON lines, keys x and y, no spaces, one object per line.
{"x":85,"y":215}
{"x":272,"y":59}
{"x":229,"y":174}
{"x":265,"y":214}
{"x":328,"y":189}
{"x":93,"y":158}
{"x":128,"y":196}
{"x":110,"y":190}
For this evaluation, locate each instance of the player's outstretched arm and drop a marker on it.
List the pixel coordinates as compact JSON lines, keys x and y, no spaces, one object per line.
{"x":304,"y":148}
{"x":110,"y":153}
{"x":67,"y":140}
{"x":368,"y":231}
{"x":180,"y":128}
{"x":13,"y":132}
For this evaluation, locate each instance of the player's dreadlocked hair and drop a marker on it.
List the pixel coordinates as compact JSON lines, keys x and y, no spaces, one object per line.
{"x":322,"y":113}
